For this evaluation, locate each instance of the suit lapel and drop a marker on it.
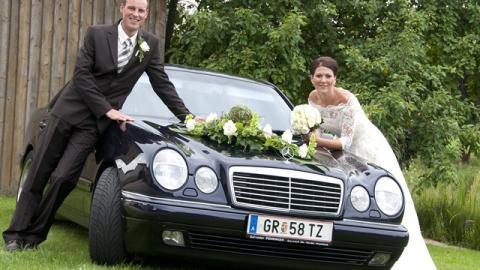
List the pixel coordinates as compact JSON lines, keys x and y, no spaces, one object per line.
{"x":112,"y":39}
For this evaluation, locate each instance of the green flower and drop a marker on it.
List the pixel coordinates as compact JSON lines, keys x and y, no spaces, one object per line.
{"x":240,"y":113}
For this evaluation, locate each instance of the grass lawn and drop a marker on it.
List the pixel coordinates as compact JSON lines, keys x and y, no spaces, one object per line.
{"x":454,"y":258}
{"x":67,"y":248}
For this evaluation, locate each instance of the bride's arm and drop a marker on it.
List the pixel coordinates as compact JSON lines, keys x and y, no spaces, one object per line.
{"x":347,"y":121}
{"x":332,"y":144}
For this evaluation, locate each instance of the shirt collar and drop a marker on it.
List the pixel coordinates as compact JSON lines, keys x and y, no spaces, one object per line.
{"x":122,"y":36}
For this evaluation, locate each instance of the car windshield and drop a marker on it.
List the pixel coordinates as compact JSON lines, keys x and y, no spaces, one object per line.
{"x":205,"y":93}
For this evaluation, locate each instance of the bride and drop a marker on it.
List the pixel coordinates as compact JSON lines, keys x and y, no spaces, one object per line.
{"x":344,"y":117}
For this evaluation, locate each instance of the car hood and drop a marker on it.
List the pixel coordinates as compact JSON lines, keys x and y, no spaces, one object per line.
{"x":339,"y":164}
{"x":141,"y":140}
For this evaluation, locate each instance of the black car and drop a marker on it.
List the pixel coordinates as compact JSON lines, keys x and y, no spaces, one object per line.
{"x":148,"y":189}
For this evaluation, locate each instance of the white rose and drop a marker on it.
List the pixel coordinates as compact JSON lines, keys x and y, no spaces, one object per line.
{"x":303,"y":151}
{"x":303,"y":118}
{"x":190,"y":124}
{"x":312,"y":115}
{"x":298,"y":121}
{"x":229,"y":128}
{"x":267,"y":130}
{"x":144,"y":46}
{"x":211,"y":117}
{"x":287,"y":136}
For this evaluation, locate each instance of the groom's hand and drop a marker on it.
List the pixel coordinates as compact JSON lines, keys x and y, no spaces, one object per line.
{"x":118,"y":116}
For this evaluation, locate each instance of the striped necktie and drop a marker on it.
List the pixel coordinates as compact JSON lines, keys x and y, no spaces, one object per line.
{"x":124,"y":54}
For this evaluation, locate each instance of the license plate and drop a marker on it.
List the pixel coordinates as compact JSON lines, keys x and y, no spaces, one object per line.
{"x":282,"y":228}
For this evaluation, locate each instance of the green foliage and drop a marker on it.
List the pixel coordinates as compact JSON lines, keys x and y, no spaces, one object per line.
{"x":246,"y":42}
{"x":453,"y":35}
{"x":470,"y":139}
{"x":450,"y":212}
{"x":241,"y":114}
{"x":412,"y":64}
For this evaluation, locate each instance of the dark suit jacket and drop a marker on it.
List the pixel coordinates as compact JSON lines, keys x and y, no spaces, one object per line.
{"x":96,"y":87}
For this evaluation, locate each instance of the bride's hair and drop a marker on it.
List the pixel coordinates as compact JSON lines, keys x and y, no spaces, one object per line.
{"x":324,"y":61}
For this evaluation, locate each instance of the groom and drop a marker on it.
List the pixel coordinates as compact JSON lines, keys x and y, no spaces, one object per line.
{"x":108,"y":65}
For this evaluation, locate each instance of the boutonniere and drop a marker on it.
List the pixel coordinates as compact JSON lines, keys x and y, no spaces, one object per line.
{"x":143,"y":48}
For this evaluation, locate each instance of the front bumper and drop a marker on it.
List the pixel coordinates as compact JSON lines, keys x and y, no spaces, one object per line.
{"x":218,"y":232}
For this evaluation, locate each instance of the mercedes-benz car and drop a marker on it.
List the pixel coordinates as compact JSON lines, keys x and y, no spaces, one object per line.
{"x":149,"y":189}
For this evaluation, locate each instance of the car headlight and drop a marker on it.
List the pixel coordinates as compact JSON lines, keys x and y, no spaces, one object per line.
{"x":206,"y":180}
{"x":170,"y":169}
{"x":388,"y":196}
{"x":360,"y":198}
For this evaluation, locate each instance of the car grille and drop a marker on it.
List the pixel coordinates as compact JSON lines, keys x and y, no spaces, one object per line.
{"x":247,"y":246}
{"x":286,"y":190}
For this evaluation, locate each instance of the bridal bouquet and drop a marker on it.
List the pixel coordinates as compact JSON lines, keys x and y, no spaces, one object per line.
{"x":240,"y":127}
{"x":304,"y":119}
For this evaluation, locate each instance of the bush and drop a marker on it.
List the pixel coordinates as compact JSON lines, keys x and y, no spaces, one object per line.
{"x":450,"y":212}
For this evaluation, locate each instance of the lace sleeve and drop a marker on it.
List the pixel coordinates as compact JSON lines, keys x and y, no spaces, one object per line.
{"x":348,"y":123}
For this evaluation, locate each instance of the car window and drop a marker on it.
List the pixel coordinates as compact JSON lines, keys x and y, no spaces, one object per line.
{"x":204,"y":94}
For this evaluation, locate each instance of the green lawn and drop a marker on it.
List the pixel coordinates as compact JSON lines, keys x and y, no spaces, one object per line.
{"x":455,"y":258}
{"x":67,"y":248}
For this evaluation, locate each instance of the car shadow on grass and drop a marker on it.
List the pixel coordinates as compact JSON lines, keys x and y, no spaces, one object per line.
{"x":78,"y":239}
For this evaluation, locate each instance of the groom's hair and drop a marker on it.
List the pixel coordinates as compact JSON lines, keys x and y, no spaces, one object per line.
{"x":324,"y":61}
{"x":123,"y":2}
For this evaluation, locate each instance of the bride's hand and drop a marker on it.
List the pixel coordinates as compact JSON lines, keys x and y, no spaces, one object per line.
{"x":306,"y":137}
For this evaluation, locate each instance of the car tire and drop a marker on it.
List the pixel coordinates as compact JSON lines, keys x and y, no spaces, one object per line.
{"x":106,"y":228}
{"x":27,"y":162}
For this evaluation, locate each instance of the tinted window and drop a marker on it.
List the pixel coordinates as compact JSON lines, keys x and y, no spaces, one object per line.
{"x":203,"y":94}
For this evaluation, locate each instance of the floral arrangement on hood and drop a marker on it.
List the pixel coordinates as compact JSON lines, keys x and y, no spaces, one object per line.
{"x":241,"y":127}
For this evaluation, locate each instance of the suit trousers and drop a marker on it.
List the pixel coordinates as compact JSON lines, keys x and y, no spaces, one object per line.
{"x":58,"y":159}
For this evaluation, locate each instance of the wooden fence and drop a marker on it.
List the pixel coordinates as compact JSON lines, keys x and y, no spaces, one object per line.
{"x":39,"y":40}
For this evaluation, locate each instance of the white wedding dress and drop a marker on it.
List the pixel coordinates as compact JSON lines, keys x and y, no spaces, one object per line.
{"x":359,"y":136}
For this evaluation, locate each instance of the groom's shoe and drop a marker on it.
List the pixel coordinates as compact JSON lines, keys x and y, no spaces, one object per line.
{"x":14,"y":245}
{"x":27,"y":245}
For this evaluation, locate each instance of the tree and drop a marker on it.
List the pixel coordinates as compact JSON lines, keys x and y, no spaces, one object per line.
{"x":172,"y":17}
{"x":395,"y":55}
{"x":245,"y":41}
{"x":453,"y":40}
